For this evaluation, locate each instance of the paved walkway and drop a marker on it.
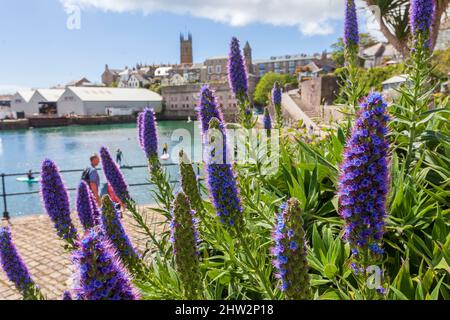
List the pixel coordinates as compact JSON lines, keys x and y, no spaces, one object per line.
{"x":43,"y":253}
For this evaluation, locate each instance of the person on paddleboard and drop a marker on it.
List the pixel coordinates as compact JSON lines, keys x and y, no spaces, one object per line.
{"x":30,"y":175}
{"x":165,"y":148}
{"x":119,"y":155}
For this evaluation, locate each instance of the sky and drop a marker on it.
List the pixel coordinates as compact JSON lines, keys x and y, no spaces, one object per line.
{"x":51,"y":42}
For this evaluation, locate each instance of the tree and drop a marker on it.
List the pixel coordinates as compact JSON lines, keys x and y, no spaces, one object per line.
{"x":265,"y":85}
{"x":394,"y":22}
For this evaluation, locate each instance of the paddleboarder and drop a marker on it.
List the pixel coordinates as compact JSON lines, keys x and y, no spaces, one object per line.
{"x":30,"y":175}
{"x":119,"y":156}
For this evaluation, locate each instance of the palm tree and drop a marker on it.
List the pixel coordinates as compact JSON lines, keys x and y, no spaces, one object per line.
{"x":394,"y":22}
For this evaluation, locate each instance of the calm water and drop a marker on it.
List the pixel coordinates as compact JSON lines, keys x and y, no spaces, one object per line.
{"x":70,"y":147}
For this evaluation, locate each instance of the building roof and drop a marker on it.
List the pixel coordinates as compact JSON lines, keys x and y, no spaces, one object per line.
{"x":217,"y":58}
{"x":162,"y":71}
{"x":26,"y":94}
{"x":390,"y":50}
{"x":76,"y":81}
{"x":6,"y":97}
{"x":373,"y":50}
{"x":50,"y":95}
{"x":288,"y":57}
{"x":380,"y":49}
{"x":397,"y":79}
{"x":115,"y":94}
{"x":139,"y":78}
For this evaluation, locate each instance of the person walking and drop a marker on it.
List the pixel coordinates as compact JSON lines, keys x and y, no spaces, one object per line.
{"x":92,"y":178}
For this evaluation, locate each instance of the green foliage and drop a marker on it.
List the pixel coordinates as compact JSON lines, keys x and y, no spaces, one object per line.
{"x":155,"y":87}
{"x":441,"y":59}
{"x":373,"y":78}
{"x":265,"y":85}
{"x":417,"y":239}
{"x":337,"y":54}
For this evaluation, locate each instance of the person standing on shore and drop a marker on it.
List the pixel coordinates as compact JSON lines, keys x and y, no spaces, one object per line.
{"x":92,"y":178}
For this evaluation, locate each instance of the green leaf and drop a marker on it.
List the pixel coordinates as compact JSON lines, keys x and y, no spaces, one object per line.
{"x":330,"y":270}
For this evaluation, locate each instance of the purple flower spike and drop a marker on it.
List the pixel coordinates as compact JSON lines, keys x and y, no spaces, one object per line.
{"x":149,"y":134}
{"x":84,"y":206}
{"x":101,"y":275}
{"x":363,"y":183}
{"x":114,"y":175}
{"x":184,"y":238}
{"x":351,"y":34}
{"x":114,"y":231}
{"x":222,"y":183}
{"x":237,"y":73}
{"x":276,"y":100}
{"x":421,"y":17}
{"x":276,"y":94}
{"x":95,"y":209}
{"x":267,"y":121}
{"x":208,"y":108}
{"x":290,"y":252}
{"x":56,"y":202}
{"x":14,"y":267}
{"x":67,"y":295}
{"x":140,"y":128}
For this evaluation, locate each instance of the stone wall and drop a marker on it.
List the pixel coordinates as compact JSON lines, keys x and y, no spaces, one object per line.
{"x":42,"y":122}
{"x":318,"y":91}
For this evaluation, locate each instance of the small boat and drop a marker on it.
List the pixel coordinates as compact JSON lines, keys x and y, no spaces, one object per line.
{"x":165,"y":156}
{"x":25,"y":179}
{"x":189,"y":120}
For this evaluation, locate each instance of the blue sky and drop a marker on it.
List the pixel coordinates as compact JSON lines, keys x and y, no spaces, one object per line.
{"x":38,"y":50}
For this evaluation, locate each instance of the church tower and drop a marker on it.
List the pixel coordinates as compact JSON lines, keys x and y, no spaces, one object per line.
{"x":186,"y":56}
{"x":248,"y":58}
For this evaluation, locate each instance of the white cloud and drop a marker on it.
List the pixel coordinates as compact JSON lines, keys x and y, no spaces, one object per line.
{"x":312,"y":17}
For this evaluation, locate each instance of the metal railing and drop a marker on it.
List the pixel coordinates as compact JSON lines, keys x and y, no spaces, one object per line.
{"x":4,"y":195}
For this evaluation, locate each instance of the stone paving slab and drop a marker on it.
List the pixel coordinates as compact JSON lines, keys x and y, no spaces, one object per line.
{"x":49,"y":264}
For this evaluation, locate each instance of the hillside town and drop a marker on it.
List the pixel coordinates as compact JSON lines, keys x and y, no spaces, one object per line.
{"x":172,"y":89}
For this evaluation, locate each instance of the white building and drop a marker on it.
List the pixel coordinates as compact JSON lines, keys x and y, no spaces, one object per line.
{"x":6,"y":113}
{"x":175,"y":80}
{"x":137,"y":81}
{"x":124,"y":77}
{"x":162,"y":72}
{"x":101,"y":101}
{"x":395,"y":82}
{"x":43,"y":98}
{"x":20,"y":100}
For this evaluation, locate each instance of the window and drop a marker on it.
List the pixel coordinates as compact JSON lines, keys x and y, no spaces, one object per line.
{"x":210,"y":69}
{"x":219,"y":69}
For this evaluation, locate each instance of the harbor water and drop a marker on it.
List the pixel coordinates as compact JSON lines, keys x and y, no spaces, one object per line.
{"x":70,"y":147}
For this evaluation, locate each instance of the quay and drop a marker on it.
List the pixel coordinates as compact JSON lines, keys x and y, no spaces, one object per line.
{"x":42,"y":122}
{"x":49,"y":264}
